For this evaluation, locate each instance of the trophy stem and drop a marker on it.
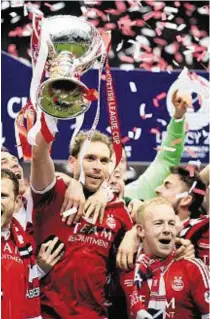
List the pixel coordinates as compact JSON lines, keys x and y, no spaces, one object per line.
{"x":62,"y":65}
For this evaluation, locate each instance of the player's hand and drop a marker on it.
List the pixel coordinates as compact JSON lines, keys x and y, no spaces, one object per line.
{"x":181,"y":101}
{"x":186,"y":249}
{"x":143,"y":314}
{"x":74,"y":201}
{"x":49,"y":254}
{"x":127,"y":249}
{"x":96,"y":204}
{"x":133,"y":207}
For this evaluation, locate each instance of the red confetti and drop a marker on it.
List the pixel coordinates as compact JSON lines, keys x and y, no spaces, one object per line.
{"x":121,"y":7}
{"x":163,"y":16}
{"x":201,"y":56}
{"x":161,"y":96}
{"x":160,"y":41}
{"x":154,"y":131}
{"x":127,"y":59}
{"x":189,"y":6}
{"x":146,"y":48}
{"x":158,"y":31}
{"x":191,"y":170}
{"x":125,"y":139}
{"x":12,"y":49}
{"x":155,"y":102}
{"x":48,"y":5}
{"x":191,"y":152}
{"x":176,"y":141}
{"x":186,"y":127}
{"x":178,"y":57}
{"x":148,"y":16}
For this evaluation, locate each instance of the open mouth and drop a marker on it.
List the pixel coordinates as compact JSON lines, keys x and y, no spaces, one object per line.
{"x":115,"y":190}
{"x":95,"y":177}
{"x":165,"y":241}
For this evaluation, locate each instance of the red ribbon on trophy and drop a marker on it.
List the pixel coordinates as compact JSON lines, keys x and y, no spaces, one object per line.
{"x":112,"y":104}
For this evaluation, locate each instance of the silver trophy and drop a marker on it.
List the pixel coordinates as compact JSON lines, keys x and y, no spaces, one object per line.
{"x":74,"y":45}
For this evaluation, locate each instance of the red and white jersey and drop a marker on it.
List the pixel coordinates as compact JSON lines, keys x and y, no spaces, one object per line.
{"x":12,"y":282}
{"x":187,"y":290}
{"x":197,"y":230}
{"x":75,"y":286}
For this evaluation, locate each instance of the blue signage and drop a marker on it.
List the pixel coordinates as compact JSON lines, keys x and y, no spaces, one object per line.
{"x":139,"y":111}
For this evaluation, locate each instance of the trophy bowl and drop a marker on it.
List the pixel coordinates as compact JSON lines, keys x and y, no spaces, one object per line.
{"x":73,"y":47}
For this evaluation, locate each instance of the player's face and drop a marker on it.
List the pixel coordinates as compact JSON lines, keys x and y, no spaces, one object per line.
{"x":171,"y":187}
{"x":116,"y":182}
{"x":8,"y":201}
{"x":11,"y":162}
{"x":159,"y":230}
{"x":95,"y":165}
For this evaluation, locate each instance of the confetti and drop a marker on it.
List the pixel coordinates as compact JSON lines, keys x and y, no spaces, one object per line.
{"x":176,"y":141}
{"x":181,"y":27}
{"x":125,"y":139}
{"x":155,"y":102}
{"x":161,"y":96}
{"x":170,"y":25}
{"x":191,"y":170}
{"x":155,"y":131}
{"x":182,"y":195}
{"x":142,"y":113}
{"x":193,"y":186}
{"x":70,"y":212}
{"x":165,"y":148}
{"x":191,"y":152}
{"x":162,"y":122}
{"x":170,"y":9}
{"x":133,"y":87}
{"x":148,"y":16}
{"x":119,"y":46}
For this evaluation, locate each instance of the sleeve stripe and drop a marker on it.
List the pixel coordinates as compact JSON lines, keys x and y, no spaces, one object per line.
{"x":49,"y":187}
{"x":203,"y":270}
{"x":206,"y":316}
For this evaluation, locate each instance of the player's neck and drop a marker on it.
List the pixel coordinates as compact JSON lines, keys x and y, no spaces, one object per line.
{"x":87,"y":192}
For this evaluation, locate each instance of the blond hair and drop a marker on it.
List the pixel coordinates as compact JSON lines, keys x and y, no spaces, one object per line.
{"x":157,"y":201}
{"x":75,"y":147}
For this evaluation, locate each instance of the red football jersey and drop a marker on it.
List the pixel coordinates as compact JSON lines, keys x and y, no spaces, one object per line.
{"x":187,"y":290}
{"x":75,"y":286}
{"x":197,"y":230}
{"x":12,"y":282}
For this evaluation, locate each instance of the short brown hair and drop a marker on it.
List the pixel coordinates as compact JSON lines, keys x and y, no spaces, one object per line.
{"x":6,"y":173}
{"x":197,"y":199}
{"x":157,"y":201}
{"x":75,"y":146}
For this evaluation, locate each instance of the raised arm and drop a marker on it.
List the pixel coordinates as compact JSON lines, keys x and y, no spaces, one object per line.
{"x":144,"y":186}
{"x":42,"y":167}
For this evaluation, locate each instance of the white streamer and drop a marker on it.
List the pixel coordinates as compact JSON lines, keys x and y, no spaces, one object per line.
{"x":35,"y":83}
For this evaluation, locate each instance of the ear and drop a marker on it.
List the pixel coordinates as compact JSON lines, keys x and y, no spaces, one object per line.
{"x":140,"y":231}
{"x":71,"y":160}
{"x":186,"y":201}
{"x":18,"y":199}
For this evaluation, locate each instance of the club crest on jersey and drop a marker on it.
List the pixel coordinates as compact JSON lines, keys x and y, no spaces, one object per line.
{"x":207,"y":296}
{"x":177,"y":284}
{"x":110,"y":221}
